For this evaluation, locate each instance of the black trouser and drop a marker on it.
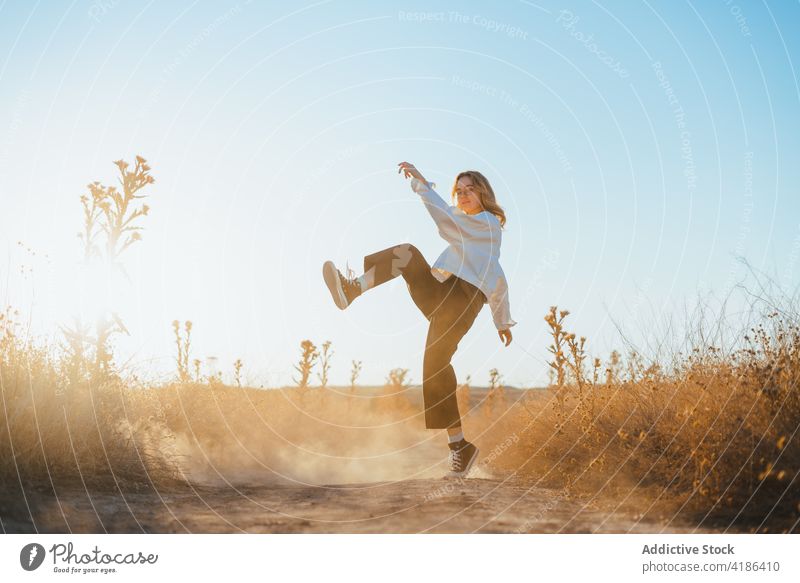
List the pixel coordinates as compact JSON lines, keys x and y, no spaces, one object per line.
{"x":450,"y":306}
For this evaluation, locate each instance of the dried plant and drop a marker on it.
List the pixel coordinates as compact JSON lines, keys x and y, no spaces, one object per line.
{"x":613,"y":368}
{"x":183,"y":345}
{"x":355,"y":371}
{"x":112,"y":215}
{"x":495,"y":399}
{"x":396,"y":381}
{"x":325,"y":363}
{"x":559,"y":362}
{"x":308,"y":359}
{"x":237,"y":372}
{"x":196,"y":363}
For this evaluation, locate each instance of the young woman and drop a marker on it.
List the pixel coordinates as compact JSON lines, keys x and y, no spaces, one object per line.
{"x":450,"y":294}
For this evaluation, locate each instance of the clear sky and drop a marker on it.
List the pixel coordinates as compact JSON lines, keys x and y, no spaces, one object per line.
{"x":637,"y":148}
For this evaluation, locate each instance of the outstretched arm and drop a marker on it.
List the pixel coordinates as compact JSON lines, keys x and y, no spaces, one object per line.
{"x":440,"y":211}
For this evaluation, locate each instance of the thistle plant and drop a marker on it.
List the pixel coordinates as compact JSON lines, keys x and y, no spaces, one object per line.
{"x":325,"y":363}
{"x":355,"y":371}
{"x":110,"y":226}
{"x":237,"y":372}
{"x":308,"y":359}
{"x":569,"y":356}
{"x":596,"y":371}
{"x":396,"y":380}
{"x":585,"y":393}
{"x":182,"y":344}
{"x":496,"y":398}
{"x":613,"y":368}
{"x":196,"y":363}
{"x":559,"y":363}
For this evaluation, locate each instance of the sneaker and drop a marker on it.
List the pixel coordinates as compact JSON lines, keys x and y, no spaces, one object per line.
{"x":343,"y":289}
{"x":462,"y":455}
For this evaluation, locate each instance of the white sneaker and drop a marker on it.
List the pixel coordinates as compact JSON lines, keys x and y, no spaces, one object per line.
{"x":343,"y":289}
{"x":462,"y":455}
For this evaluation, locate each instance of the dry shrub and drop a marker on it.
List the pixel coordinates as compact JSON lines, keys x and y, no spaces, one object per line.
{"x":55,"y":433}
{"x":121,"y":436}
{"x":713,"y":432}
{"x":105,"y":433}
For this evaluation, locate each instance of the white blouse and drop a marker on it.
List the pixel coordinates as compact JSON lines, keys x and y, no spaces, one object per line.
{"x":473,"y":253}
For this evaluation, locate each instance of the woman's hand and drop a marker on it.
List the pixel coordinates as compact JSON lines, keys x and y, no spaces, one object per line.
{"x":409,"y":169}
{"x":505,"y":336}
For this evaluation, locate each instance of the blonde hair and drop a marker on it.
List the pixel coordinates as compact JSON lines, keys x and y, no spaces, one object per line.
{"x":485,"y":193}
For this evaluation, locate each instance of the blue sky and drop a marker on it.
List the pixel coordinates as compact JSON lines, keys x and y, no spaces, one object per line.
{"x":637,"y":149}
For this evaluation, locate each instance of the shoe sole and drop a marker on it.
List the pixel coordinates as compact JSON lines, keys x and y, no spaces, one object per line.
{"x":329,"y":273}
{"x":468,"y":468}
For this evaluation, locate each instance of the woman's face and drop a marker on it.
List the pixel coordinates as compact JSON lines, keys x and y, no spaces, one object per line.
{"x":467,"y":196}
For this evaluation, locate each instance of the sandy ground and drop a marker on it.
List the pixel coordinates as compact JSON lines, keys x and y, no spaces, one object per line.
{"x":411,"y":506}
{"x":383,"y":480}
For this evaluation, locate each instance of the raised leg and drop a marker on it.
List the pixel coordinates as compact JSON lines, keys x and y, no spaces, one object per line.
{"x":406,"y":260}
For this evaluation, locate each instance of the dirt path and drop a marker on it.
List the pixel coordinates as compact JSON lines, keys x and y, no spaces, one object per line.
{"x":409,"y":506}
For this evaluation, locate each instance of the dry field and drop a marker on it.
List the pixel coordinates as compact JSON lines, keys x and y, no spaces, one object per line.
{"x":709,"y":445}
{"x":698,"y":439}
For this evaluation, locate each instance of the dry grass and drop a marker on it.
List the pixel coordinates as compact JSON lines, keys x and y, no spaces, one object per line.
{"x":714,"y":432}
{"x":119,"y":435}
{"x":54,"y":432}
